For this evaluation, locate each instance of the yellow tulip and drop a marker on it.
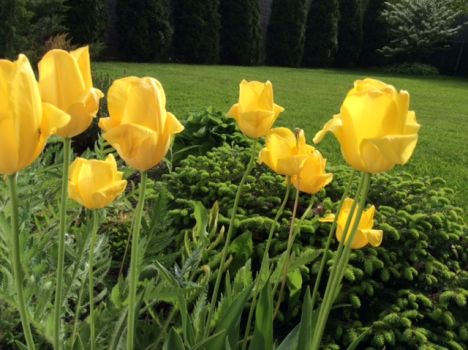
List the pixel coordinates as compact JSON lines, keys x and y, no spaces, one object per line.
{"x":284,"y":153}
{"x":256,"y":111}
{"x":139,"y":127}
{"x":312,"y":177}
{"x":374,"y":127}
{"x":25,"y":121}
{"x":365,"y":234}
{"x":65,"y":81}
{"x":95,"y":183}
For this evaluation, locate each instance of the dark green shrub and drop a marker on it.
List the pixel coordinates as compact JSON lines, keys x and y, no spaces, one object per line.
{"x":321,"y":38}
{"x":349,"y":33}
{"x":145,"y":30}
{"x":86,"y":21}
{"x":375,"y":33}
{"x":285,"y":37}
{"x":240,"y":32}
{"x":196,"y":30}
{"x":411,"y":69}
{"x":14,"y":17}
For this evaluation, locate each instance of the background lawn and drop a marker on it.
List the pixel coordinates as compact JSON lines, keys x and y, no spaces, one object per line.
{"x":311,"y":97}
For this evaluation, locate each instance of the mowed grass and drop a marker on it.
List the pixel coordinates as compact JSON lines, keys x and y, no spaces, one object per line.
{"x":312,"y":96}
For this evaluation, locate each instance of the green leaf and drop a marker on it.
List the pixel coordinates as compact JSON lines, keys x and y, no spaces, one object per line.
{"x":209,"y":342}
{"x":291,"y":340}
{"x":307,"y":324}
{"x":263,"y":333}
{"x":173,"y":342}
{"x":359,"y":339}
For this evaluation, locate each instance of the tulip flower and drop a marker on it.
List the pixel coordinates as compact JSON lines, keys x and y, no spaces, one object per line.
{"x":365,"y":234}
{"x":95,"y":183}
{"x":285,"y":153}
{"x":139,"y":127}
{"x":312,"y":177}
{"x":25,"y":121}
{"x":65,"y":81}
{"x":375,"y":129}
{"x":256,"y":112}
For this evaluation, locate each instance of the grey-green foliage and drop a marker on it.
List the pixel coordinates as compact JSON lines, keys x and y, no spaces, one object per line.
{"x":321,"y":38}
{"x":418,"y":28}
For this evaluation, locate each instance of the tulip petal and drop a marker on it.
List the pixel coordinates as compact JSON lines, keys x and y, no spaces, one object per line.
{"x":374,"y":237}
{"x":412,"y":126}
{"x":81,"y":56}
{"x":117,"y":98}
{"x":9,"y":152}
{"x":367,"y":218}
{"x":106,"y":195}
{"x":256,"y":123}
{"x":328,"y":218}
{"x":173,"y":126}
{"x":334,"y":125}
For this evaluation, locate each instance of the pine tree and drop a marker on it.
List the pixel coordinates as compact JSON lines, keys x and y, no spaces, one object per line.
{"x":285,"y":38}
{"x":86,"y":21}
{"x":14,"y":19}
{"x":240,"y":32}
{"x":375,"y":33}
{"x":321,"y":42}
{"x":145,"y":31}
{"x":349,"y":33}
{"x":197,"y":25}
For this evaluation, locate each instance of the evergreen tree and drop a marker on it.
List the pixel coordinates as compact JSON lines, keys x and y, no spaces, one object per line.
{"x":349,"y":33}
{"x":86,"y":21}
{"x":285,"y":37}
{"x":145,"y":31}
{"x":197,"y":26}
{"x":375,"y":33}
{"x":321,"y":42}
{"x":240,"y":32}
{"x":14,"y":19}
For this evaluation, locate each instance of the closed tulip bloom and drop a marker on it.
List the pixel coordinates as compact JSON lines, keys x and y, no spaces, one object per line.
{"x":256,"y":112}
{"x":365,"y":234}
{"x":139,"y":127}
{"x":375,"y":129}
{"x":95,"y":183}
{"x":25,"y":121}
{"x":312,"y":177}
{"x":284,"y":152}
{"x":65,"y":81}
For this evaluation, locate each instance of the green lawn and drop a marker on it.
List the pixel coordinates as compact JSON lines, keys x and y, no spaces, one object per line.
{"x":311,"y":97}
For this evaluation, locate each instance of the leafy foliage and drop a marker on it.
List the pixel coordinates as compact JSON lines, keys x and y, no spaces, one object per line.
{"x":321,"y":38}
{"x":418,"y":28}
{"x":375,"y":32}
{"x":197,"y":25}
{"x":241,"y":40}
{"x":349,"y":33}
{"x":285,"y":38}
{"x":145,"y":30}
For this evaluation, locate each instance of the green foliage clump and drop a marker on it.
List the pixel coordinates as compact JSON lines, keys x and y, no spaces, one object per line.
{"x":321,"y":36}
{"x":240,"y":32}
{"x":86,"y":22}
{"x":196,"y":32}
{"x":413,"y":68}
{"x":375,"y":33}
{"x":14,"y":17}
{"x":285,"y":37}
{"x":349,"y":33}
{"x":145,"y":30}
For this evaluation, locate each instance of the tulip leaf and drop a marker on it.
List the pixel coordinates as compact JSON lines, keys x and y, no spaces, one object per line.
{"x":173,"y":342}
{"x":359,"y":339}
{"x":263,"y":333}
{"x":307,"y":324}
{"x":291,"y":340}
{"x":208,"y":343}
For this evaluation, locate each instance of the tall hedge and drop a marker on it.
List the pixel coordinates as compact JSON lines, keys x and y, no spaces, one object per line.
{"x":197,"y":26}
{"x":375,"y":33}
{"x":349,"y":33}
{"x":14,"y":19}
{"x":145,"y":30}
{"x":321,"y":41}
{"x":240,"y":32}
{"x":86,"y":21}
{"x":285,"y":37}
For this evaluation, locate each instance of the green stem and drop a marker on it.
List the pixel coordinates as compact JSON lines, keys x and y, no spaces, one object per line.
{"x":340,"y":265}
{"x":16,"y":262}
{"x":265,"y":262}
{"x":91,"y":278}
{"x":61,"y":244}
{"x":249,"y":168}
{"x":133,"y":275}
{"x":330,"y":235}
{"x":77,"y":314}
{"x":291,"y":237}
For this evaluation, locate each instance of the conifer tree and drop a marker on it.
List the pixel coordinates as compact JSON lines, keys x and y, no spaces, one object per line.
{"x":375,"y":33}
{"x":240,"y":32}
{"x":86,"y":21}
{"x":349,"y":33}
{"x":285,"y":37}
{"x":321,"y":36}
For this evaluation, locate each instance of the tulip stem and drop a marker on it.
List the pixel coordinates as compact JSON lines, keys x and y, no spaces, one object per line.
{"x":16,"y":262}
{"x":265,"y":261}
{"x":61,"y":243}
{"x":91,"y":279}
{"x":341,"y":261}
{"x":291,"y":237}
{"x":330,"y":235}
{"x":133,"y":273}
{"x":214,"y":298}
